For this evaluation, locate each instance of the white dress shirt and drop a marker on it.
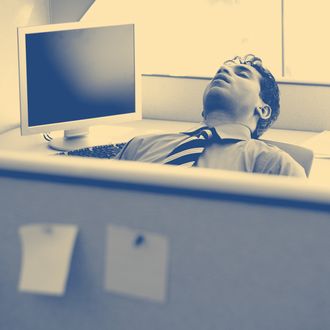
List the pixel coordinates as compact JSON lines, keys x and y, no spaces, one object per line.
{"x":247,"y":154}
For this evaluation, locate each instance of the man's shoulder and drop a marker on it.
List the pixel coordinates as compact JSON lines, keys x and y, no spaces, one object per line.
{"x":272,"y":159}
{"x":143,"y":147}
{"x":149,"y":138}
{"x":263,"y":147}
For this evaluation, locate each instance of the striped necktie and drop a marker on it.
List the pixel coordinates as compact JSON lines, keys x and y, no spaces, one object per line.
{"x":187,"y":153}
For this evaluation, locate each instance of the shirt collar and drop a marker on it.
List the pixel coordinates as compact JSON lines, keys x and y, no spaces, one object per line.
{"x":226,"y":131}
{"x":233,"y":131}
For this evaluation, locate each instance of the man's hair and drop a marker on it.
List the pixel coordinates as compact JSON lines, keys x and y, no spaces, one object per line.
{"x":269,"y":91}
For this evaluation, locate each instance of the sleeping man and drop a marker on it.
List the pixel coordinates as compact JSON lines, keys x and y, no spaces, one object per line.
{"x":239,"y":104}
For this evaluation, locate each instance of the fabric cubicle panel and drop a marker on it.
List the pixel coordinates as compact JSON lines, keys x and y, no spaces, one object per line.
{"x":236,"y":260}
{"x":303,"y":106}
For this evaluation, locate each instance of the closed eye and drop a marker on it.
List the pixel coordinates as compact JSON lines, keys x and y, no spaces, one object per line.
{"x":243,"y":74}
{"x":243,"y":71}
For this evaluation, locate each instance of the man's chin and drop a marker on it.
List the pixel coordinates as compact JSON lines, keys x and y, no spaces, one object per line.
{"x":215,"y":98}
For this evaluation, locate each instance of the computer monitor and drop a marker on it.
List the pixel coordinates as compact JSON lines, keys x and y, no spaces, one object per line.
{"x":73,"y":76}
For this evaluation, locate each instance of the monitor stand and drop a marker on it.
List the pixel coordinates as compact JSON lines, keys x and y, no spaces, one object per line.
{"x":72,"y":139}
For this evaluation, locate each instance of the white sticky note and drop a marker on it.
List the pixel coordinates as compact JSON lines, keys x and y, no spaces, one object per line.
{"x":46,"y":257}
{"x":136,"y":263}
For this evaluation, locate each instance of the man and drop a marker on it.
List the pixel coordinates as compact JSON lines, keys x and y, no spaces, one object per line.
{"x":240,"y":103}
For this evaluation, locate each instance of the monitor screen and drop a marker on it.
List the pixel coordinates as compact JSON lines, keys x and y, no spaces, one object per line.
{"x":72,"y":76}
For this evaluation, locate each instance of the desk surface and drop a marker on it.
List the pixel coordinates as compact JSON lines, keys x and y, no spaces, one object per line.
{"x":12,"y":140}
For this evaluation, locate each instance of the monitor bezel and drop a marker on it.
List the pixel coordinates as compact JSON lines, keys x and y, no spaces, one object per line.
{"x":80,"y":123}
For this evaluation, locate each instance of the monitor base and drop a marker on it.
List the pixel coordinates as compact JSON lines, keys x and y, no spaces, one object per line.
{"x":69,"y":144}
{"x":72,"y":140}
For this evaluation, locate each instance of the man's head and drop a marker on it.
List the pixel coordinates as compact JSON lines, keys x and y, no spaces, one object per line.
{"x":243,"y":91}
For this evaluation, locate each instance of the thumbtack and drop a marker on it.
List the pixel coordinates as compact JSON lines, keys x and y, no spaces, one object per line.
{"x":139,"y":240}
{"x":47,"y":229}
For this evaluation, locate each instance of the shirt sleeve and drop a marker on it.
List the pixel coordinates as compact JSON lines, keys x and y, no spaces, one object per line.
{"x":129,"y":150}
{"x":278,"y":162}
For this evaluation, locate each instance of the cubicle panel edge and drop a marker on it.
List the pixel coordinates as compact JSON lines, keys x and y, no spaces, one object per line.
{"x":235,"y":260}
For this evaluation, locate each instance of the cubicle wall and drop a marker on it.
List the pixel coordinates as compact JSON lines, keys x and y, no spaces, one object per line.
{"x":241,"y":256}
{"x":304,"y":106}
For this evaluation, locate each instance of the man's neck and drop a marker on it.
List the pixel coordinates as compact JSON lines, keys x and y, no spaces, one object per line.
{"x":219,"y":118}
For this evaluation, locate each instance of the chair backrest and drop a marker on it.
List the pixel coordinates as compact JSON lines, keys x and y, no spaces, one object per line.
{"x":300,"y":154}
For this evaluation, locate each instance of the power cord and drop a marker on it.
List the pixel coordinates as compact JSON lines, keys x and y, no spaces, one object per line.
{"x":47,"y":137}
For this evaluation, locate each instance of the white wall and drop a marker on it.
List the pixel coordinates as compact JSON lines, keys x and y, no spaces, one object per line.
{"x":193,"y":37}
{"x":306,"y":36}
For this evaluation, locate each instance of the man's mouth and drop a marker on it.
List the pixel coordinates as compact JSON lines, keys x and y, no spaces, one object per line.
{"x":222,"y":76}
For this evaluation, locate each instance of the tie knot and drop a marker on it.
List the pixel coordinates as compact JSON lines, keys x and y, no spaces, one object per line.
{"x":188,"y":152}
{"x":207,"y":133}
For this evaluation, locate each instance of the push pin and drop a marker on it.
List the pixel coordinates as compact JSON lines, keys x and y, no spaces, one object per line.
{"x":139,"y":240}
{"x":48,"y":229}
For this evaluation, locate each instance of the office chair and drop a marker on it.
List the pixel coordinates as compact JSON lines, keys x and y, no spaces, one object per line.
{"x":300,"y":154}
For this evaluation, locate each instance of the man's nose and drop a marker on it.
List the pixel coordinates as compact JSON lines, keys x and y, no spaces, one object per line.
{"x":225,"y":69}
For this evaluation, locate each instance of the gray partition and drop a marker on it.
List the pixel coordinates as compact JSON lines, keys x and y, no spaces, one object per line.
{"x":236,"y":262}
{"x":304,"y":106}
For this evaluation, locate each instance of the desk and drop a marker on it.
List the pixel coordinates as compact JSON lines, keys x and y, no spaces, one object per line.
{"x":12,"y":140}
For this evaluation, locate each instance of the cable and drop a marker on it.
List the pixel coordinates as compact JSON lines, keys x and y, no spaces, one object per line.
{"x":47,"y":137}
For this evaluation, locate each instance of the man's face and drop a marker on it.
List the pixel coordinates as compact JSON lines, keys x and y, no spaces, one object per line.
{"x":235,"y":90}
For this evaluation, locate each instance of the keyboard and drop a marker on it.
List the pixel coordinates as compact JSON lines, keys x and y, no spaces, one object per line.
{"x":103,"y":151}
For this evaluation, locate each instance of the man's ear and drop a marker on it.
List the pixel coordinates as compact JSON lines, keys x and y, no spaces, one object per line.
{"x":264,"y":112}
